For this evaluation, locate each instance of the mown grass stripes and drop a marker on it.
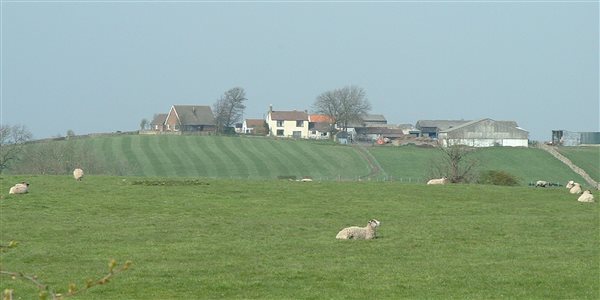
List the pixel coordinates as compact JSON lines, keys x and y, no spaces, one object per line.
{"x":259,"y":157}
{"x":238,"y":166}
{"x":149,"y":149}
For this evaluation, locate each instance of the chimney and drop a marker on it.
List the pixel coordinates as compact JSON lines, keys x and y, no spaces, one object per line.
{"x":270,"y":108}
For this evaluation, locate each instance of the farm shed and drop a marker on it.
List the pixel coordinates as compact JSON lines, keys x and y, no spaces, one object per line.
{"x":190,"y":118}
{"x":486,"y":133}
{"x":371,"y":134}
{"x":431,"y":128}
{"x":570,"y":138}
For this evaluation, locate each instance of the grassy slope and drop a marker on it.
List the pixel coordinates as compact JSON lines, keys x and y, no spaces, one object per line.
{"x":528,"y":164}
{"x":275,"y":239}
{"x":242,"y":157}
{"x":587,"y":158}
{"x":226,"y":157}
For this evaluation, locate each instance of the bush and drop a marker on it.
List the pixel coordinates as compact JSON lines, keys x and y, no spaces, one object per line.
{"x":497,"y":178}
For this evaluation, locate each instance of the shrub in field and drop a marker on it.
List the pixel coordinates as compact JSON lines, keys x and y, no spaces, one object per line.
{"x":496,"y":177}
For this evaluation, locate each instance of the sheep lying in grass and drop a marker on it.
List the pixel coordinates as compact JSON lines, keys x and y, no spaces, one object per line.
{"x":368,"y":232}
{"x":570,"y":184}
{"x":576,"y":189}
{"x":541,"y":183}
{"x":442,"y":180}
{"x":19,"y":188}
{"x":586,"y":197}
{"x":78,"y":174}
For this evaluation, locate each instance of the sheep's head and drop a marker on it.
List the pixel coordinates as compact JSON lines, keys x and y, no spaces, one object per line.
{"x":374,"y":223}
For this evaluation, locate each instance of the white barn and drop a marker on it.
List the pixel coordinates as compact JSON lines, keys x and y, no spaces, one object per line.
{"x":486,"y":133}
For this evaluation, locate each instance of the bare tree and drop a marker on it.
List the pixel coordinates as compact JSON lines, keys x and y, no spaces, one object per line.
{"x":343,"y":106}
{"x":229,"y":109}
{"x":455,"y":164}
{"x":12,"y":139}
{"x":143,"y":124}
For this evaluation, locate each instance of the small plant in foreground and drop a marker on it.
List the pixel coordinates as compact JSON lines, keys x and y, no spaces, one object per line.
{"x":48,"y":293}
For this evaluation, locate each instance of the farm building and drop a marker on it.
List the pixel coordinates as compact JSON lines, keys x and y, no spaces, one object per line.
{"x":190,"y":118}
{"x":372,"y":134}
{"x":158,"y":123}
{"x":485,"y":133}
{"x":431,"y":128}
{"x":570,"y":138}
{"x":319,"y":126}
{"x":292,"y":124}
{"x":254,"y":126}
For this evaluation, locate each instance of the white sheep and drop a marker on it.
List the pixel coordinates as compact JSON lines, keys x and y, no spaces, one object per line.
{"x":576,"y":189}
{"x":354,"y":232}
{"x":570,"y":184}
{"x":586,"y":197}
{"x":19,"y":188}
{"x":541,"y":183}
{"x":442,"y":180}
{"x":78,"y":174}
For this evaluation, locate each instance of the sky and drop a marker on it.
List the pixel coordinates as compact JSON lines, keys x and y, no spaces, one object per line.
{"x":103,"y":66}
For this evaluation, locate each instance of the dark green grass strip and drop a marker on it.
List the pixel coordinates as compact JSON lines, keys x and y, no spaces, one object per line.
{"x":253,"y":153}
{"x":107,"y":151}
{"x":297,"y":165}
{"x":329,"y":162}
{"x":148,"y":148}
{"x":176,"y":166}
{"x":199,"y":168}
{"x":129,"y":155}
{"x":145,"y":168}
{"x":239,"y":168}
{"x":280,"y":169}
{"x":312,"y":163}
{"x":203,"y":144}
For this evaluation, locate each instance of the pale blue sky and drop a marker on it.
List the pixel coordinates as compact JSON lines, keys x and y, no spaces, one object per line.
{"x":102,"y":66}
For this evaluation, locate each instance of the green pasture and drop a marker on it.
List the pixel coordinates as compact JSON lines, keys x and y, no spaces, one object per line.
{"x":585,"y":157}
{"x":212,"y":157}
{"x":231,"y":157}
{"x":193,"y":238}
{"x":408,"y":163}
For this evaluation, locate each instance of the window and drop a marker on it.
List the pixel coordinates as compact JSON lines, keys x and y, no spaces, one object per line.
{"x":279,"y":123}
{"x":279,"y":132}
{"x":300,"y":123}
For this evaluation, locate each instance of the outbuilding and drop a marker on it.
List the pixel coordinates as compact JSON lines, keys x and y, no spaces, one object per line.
{"x":485,"y":133}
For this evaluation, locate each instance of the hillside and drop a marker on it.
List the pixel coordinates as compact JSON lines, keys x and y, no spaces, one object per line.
{"x":266,"y":158}
{"x":585,"y":157}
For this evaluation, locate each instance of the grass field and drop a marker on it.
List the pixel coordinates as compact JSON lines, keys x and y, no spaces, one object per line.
{"x":265,"y":158}
{"x":587,"y":158}
{"x":253,"y":239}
{"x":527,"y":164}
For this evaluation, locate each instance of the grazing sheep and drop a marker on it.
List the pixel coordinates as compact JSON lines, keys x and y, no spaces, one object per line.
{"x":78,"y":174}
{"x":576,"y":189}
{"x":570,"y":184}
{"x":19,"y":188}
{"x":586,"y":197}
{"x":368,"y":232}
{"x":442,"y":180}
{"x":541,"y":183}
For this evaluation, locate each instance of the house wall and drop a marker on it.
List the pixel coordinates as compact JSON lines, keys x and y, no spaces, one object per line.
{"x":289,"y":128}
{"x":172,"y":123}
